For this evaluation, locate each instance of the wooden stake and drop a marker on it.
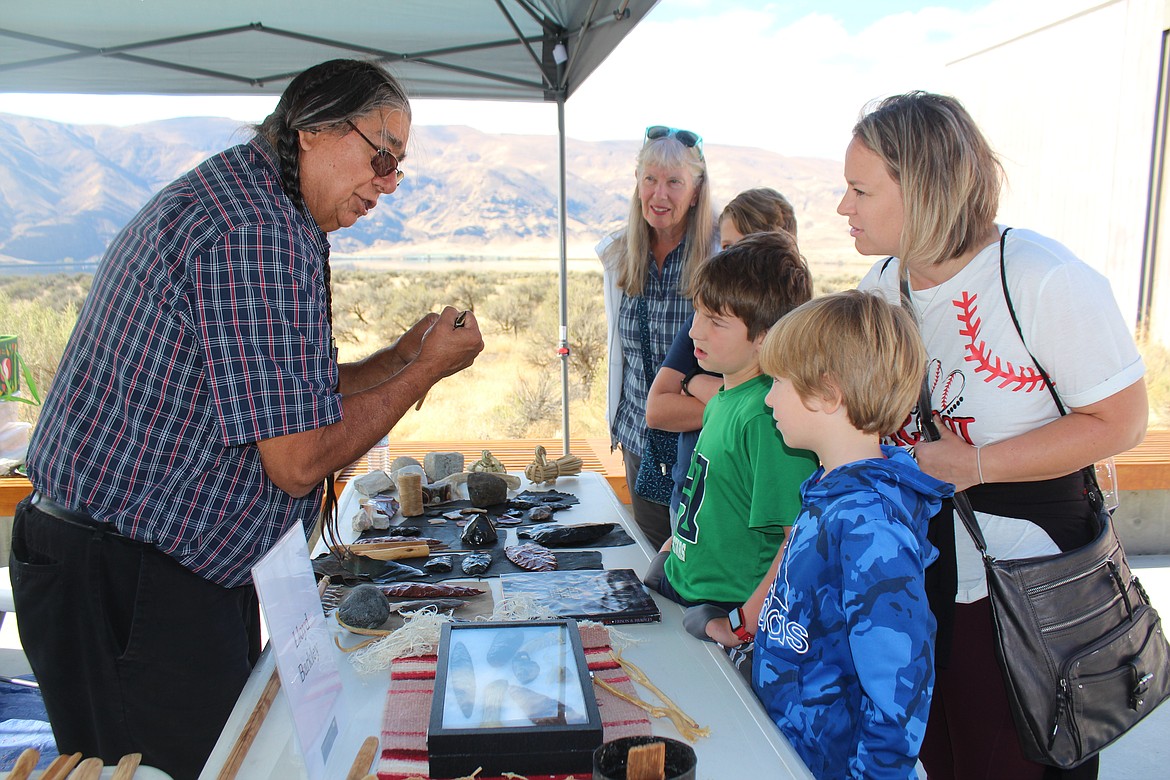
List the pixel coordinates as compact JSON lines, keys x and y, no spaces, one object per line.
{"x":25,"y":764}
{"x":127,"y":766}
{"x":365,"y":757}
{"x":251,"y":728}
{"x":61,"y":766}
{"x":89,"y":769}
{"x":646,"y":762}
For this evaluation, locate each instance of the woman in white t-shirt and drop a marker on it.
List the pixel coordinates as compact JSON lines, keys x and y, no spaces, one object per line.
{"x":923,"y":187}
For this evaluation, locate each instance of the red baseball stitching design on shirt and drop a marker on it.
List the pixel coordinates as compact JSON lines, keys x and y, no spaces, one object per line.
{"x":1025,"y":379}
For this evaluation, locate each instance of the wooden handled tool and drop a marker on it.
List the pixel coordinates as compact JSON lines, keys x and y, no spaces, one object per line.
{"x":357,"y":547}
{"x":646,"y":762}
{"x":391,"y":551}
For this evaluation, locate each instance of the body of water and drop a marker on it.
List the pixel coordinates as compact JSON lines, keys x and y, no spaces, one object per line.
{"x":32,"y":269}
{"x":344,"y":262}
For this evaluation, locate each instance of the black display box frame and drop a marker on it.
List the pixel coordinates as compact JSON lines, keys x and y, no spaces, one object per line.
{"x":547,"y":748}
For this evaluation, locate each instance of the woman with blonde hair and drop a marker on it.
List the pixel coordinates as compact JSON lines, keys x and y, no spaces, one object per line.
{"x":647,"y":268}
{"x":923,"y":187}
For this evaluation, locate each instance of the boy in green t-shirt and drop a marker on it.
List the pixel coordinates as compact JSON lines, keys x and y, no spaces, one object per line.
{"x":742,"y":489}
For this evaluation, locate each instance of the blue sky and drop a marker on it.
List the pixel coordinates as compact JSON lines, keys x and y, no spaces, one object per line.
{"x":789,"y":76}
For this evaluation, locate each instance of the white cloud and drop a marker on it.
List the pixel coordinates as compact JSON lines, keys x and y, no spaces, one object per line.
{"x":795,"y":89}
{"x":741,"y":77}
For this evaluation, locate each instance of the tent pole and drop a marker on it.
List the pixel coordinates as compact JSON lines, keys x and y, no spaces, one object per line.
{"x":562,"y":224}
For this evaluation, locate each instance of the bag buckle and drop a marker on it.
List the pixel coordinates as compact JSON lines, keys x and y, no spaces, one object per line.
{"x":1137,"y":695}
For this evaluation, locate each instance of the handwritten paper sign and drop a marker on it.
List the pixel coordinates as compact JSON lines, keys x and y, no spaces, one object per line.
{"x":305,"y":656}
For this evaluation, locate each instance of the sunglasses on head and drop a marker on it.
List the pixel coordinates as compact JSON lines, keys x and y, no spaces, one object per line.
{"x":383,"y":162}
{"x":685,"y":137}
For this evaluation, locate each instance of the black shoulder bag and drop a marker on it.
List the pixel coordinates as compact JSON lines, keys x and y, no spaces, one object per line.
{"x":1081,"y":649}
{"x":659,"y":448}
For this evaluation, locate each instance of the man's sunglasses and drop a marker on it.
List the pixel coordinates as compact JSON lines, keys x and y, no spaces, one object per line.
{"x":685,"y":137}
{"x":383,"y":162}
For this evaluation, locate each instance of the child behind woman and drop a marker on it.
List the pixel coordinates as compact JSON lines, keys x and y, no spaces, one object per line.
{"x":682,"y":388}
{"x":844,"y":659}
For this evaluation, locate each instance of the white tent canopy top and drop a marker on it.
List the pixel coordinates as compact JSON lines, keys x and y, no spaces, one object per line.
{"x":484,"y":49}
{"x":523,"y":50}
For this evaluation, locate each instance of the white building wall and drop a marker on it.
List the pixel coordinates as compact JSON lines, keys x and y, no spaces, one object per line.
{"x":1069,"y":104}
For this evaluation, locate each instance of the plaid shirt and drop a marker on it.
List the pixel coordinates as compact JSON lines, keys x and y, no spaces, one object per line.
{"x":205,"y":331}
{"x":668,"y":311}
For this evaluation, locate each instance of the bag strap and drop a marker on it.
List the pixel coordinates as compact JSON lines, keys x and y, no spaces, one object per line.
{"x":930,"y":432}
{"x":644,"y":337}
{"x":1092,"y":488}
{"x":1015,"y":321}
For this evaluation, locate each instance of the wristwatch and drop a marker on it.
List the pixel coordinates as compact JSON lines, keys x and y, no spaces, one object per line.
{"x":737,"y":625}
{"x":687,"y":380}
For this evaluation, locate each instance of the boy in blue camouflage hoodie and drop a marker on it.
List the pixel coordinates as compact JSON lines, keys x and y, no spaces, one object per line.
{"x":844,"y":660}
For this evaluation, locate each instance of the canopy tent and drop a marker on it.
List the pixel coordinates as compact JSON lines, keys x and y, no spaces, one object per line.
{"x":484,"y":49}
{"x":528,"y":50}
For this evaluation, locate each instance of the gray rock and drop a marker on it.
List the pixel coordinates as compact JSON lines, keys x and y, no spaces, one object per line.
{"x":401,"y":462}
{"x":364,"y":607}
{"x":440,"y":465}
{"x":373,"y":484}
{"x":485,"y":489}
{"x":364,"y":519}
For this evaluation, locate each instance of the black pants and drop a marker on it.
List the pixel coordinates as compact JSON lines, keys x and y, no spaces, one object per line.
{"x":653,"y":519}
{"x":133,"y":652}
{"x":971,"y":734}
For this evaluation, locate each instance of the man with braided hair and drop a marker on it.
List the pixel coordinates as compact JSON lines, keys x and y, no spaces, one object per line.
{"x":198,"y":409}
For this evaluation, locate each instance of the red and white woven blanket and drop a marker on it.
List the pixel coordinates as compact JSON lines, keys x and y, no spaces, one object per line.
{"x":412,"y":684}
